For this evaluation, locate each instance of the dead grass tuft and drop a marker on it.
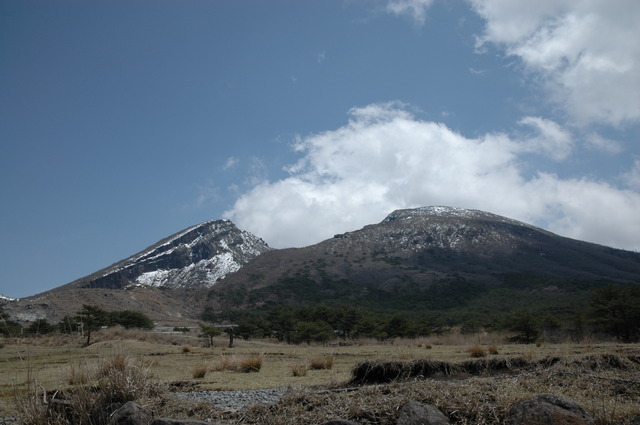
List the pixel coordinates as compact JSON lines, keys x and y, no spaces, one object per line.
{"x":477,"y":351}
{"x":200,"y":371}
{"x":240,"y":363}
{"x":250,"y":363}
{"x":116,"y":380}
{"x":299,"y":370}
{"x":319,"y":363}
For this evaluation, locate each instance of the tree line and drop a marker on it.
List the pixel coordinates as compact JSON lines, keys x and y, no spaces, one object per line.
{"x":89,"y":319}
{"x":612,"y":310}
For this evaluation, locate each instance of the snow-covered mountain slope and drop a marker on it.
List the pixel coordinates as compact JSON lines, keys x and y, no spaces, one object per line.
{"x":195,"y":257}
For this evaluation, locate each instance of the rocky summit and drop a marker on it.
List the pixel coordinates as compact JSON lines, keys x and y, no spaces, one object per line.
{"x":193,"y":258}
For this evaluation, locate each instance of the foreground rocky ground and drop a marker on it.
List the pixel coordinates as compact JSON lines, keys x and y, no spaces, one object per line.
{"x":602,"y":389}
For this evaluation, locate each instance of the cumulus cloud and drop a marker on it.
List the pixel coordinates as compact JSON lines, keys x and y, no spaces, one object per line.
{"x":416,"y":9}
{"x":384,"y":159}
{"x":586,"y":51}
{"x":548,"y":138}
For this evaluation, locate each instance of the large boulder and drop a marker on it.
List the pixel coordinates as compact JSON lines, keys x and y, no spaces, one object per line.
{"x":130,"y":413}
{"x":416,"y":413}
{"x":548,"y":409}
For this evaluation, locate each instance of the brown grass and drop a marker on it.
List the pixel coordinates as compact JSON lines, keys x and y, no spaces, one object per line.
{"x":116,"y":380}
{"x":477,"y":351}
{"x":250,"y":363}
{"x":240,"y":363}
{"x":299,"y":370}
{"x":319,"y":363}
{"x":200,"y":371}
{"x":603,"y":378}
{"x":606,"y":386}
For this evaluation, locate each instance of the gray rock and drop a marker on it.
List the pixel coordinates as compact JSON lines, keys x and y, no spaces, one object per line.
{"x":548,"y":409}
{"x":416,"y":413}
{"x":635,"y":420}
{"x":130,"y":413}
{"x":339,"y":422}
{"x":167,"y":421}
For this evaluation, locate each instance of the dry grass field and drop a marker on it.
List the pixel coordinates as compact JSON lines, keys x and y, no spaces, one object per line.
{"x":603,"y":378}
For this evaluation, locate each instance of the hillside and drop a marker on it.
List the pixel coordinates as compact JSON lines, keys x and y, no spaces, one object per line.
{"x":192,"y":258}
{"x":432,"y":258}
{"x":456,"y":262}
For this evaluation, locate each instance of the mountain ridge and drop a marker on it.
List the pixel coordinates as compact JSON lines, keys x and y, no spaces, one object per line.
{"x":422,"y":249}
{"x":419,"y":258}
{"x":197,"y":256}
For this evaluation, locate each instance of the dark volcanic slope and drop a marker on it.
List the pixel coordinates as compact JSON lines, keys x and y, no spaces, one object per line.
{"x":195,"y":257}
{"x":419,"y":248}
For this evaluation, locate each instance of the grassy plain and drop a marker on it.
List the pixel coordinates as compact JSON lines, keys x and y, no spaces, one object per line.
{"x":59,"y":362}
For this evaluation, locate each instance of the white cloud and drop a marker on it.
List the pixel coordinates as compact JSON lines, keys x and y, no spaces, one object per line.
{"x":548,"y":138}
{"x":385,"y":159}
{"x":597,"y":142}
{"x":416,"y":9}
{"x":633,"y":176}
{"x":585,"y":50}
{"x":230,"y":163}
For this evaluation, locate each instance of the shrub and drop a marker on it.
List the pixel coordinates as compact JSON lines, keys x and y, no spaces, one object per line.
{"x":78,"y":374}
{"x":318,"y":363}
{"x":493,"y":349}
{"x":116,"y":381}
{"x":299,"y":370}
{"x":186,"y":349}
{"x":477,"y":351}
{"x":119,"y":362}
{"x":200,"y":371}
{"x":250,"y":363}
{"x":245,"y":363}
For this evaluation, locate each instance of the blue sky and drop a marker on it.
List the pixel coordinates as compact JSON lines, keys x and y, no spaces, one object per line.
{"x":123,"y":122}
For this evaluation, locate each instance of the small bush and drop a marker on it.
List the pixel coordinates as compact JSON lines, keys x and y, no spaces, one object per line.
{"x":493,"y":350}
{"x":299,"y":370}
{"x":118,"y":362}
{"x":250,"y":363}
{"x":115,"y":381}
{"x":224,"y":363}
{"x":318,"y":363}
{"x":200,"y":371}
{"x":477,"y":351}
{"x":78,"y":375}
{"x":245,"y":363}
{"x":186,"y":349}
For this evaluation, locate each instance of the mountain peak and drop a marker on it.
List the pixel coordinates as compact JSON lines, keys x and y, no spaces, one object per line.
{"x":440,"y":211}
{"x":197,"y":256}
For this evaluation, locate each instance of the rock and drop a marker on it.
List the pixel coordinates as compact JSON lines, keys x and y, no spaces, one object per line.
{"x":416,"y":413}
{"x":167,"y":421}
{"x":339,"y":422}
{"x":635,"y":420}
{"x":130,"y":413}
{"x":548,"y":409}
